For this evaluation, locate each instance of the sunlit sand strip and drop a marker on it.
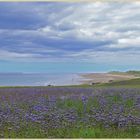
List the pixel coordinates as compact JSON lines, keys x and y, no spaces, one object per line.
{"x":106,"y":77}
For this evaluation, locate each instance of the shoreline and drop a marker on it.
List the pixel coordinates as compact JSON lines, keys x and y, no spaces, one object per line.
{"x":65,"y":79}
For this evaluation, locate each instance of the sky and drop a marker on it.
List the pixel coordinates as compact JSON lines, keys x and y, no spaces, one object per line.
{"x":69,"y":37}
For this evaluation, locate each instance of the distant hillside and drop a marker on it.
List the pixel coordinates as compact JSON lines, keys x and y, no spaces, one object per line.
{"x":132,"y":72}
{"x":136,"y":73}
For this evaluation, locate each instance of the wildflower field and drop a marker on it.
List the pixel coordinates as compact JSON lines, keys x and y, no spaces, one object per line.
{"x":69,"y":112}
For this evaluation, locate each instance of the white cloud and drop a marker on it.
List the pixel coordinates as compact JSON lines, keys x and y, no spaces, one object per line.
{"x":96,"y":21}
{"x":131,"y":41}
{"x":105,"y":57}
{"x":6,"y":55}
{"x":117,"y":23}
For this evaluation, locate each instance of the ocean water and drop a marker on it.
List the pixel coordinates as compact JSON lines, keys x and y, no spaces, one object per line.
{"x":39,"y":79}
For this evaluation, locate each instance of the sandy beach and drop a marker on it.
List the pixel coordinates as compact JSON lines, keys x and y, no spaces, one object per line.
{"x":105,"y":77}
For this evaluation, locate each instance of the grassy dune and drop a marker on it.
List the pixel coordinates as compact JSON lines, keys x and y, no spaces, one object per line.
{"x":126,"y":83}
{"x":132,"y":83}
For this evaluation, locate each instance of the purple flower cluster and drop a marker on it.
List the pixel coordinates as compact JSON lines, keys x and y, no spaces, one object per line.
{"x":62,"y":107}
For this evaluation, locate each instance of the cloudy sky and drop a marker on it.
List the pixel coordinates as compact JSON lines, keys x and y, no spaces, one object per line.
{"x":69,"y":37}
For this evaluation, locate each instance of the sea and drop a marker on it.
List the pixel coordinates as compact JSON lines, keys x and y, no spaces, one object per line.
{"x":40,"y":79}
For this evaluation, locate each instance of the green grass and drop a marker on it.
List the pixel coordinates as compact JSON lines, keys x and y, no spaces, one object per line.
{"x":68,"y":104}
{"x":74,"y":132}
{"x":77,"y":105}
{"x":136,"y":73}
{"x":126,"y":83}
{"x":132,"y":83}
{"x":129,"y":103}
{"x":97,"y":132}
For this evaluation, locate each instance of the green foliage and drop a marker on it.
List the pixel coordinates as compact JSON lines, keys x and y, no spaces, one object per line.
{"x":74,"y":132}
{"x":129,"y":103}
{"x":133,"y":72}
{"x":125,"y":83}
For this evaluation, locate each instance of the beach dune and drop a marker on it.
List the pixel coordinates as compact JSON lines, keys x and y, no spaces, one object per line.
{"x":92,"y":78}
